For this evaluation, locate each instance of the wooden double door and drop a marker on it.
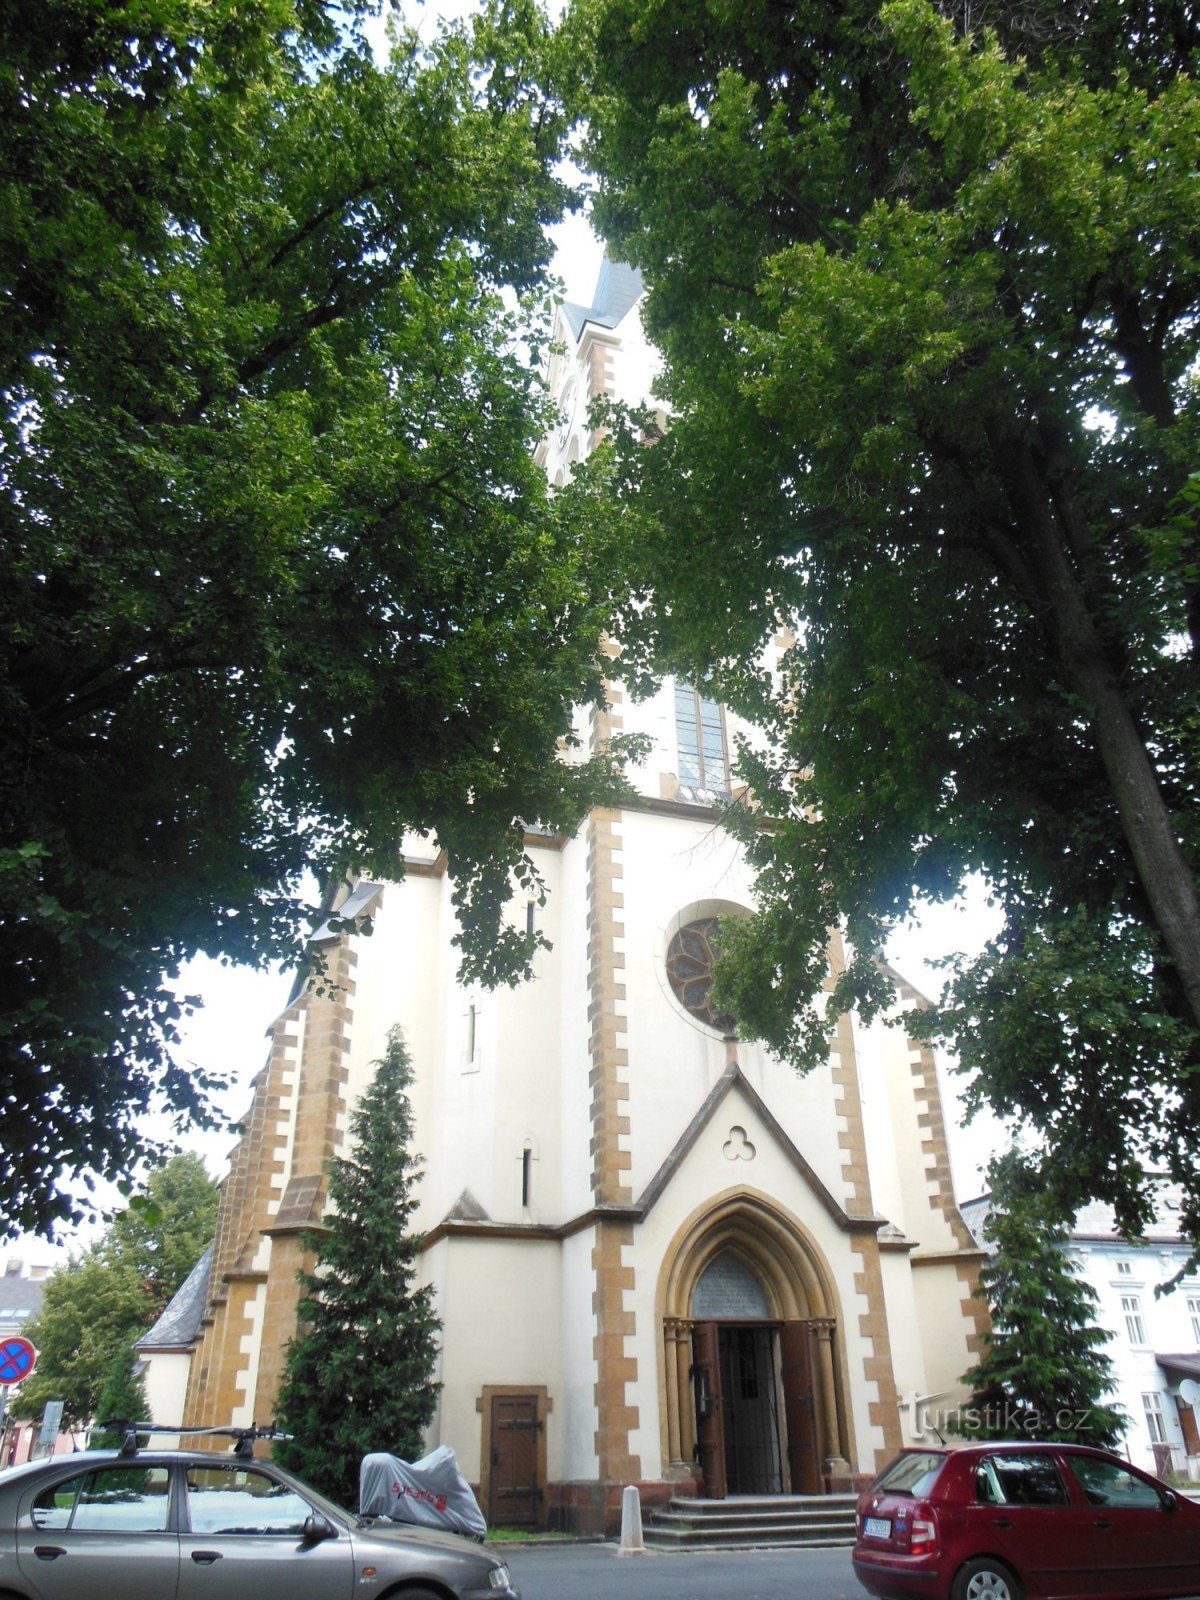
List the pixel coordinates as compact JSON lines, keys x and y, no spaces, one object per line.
{"x":756,"y":1408}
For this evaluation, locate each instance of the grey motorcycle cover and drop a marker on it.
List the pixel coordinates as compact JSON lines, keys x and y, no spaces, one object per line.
{"x":432,"y":1492}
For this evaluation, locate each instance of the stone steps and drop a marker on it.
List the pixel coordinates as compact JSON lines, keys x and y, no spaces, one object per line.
{"x":777,"y":1521}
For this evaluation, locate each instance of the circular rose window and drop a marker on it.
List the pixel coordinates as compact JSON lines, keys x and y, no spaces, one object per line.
{"x":691,"y":956}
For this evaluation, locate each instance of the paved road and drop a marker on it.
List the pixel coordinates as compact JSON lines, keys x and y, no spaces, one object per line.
{"x":596,"y":1572}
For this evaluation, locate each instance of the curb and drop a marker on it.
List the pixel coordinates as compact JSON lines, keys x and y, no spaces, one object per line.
{"x":562,"y":1539}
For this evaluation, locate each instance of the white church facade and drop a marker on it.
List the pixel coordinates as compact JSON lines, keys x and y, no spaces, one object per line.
{"x":660,"y":1256}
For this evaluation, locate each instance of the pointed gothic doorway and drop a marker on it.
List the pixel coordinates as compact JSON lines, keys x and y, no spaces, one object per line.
{"x":753,"y":1401}
{"x":753,"y":1383}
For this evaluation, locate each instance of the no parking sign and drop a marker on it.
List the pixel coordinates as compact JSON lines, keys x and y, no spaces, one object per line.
{"x":17,"y":1359}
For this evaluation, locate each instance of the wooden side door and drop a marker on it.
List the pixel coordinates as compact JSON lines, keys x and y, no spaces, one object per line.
{"x":514,"y":1494}
{"x":800,"y":1408}
{"x":710,"y":1419}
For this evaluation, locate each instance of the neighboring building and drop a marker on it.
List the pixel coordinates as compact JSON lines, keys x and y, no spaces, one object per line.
{"x":1154,"y":1339}
{"x":25,"y":1264}
{"x":22,"y":1278}
{"x":165,"y":1350}
{"x":660,"y":1256}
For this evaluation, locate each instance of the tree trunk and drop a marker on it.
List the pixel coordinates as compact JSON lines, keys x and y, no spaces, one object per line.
{"x":1166,"y":876}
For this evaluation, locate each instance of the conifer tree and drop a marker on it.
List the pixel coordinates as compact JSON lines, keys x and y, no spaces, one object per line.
{"x":122,"y":1399}
{"x":1043,"y":1373}
{"x":361,"y":1375}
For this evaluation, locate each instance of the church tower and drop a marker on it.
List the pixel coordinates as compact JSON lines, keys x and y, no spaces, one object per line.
{"x":660,"y":1256}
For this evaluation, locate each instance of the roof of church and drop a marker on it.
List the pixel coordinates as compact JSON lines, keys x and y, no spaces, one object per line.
{"x":180,"y":1321}
{"x":354,"y":905}
{"x":466,"y":1209}
{"x":618,"y":289}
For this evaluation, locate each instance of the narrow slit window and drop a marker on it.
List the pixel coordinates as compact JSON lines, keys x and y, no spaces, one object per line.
{"x":471,"y":1031}
{"x":526,"y":1176}
{"x":531,"y":917}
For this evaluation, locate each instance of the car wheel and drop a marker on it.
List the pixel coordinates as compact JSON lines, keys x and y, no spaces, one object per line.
{"x":985,"y":1579}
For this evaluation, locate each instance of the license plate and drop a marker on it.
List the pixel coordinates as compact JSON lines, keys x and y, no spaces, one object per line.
{"x":877,"y":1528}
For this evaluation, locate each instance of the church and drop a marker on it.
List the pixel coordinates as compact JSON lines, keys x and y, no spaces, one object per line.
{"x":660,"y":1256}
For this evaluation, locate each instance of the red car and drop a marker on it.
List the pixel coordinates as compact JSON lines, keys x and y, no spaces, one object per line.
{"x":1005,"y":1521}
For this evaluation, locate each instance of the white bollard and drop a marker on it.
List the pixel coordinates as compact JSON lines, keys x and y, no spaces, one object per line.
{"x":631,"y":1523}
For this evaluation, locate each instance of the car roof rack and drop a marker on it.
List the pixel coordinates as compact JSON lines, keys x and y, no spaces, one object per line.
{"x":243,"y":1438}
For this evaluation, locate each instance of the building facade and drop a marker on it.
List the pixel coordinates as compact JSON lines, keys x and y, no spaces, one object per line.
{"x":660,"y":1256}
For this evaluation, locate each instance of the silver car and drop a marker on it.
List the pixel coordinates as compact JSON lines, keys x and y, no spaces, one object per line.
{"x":185,"y":1525}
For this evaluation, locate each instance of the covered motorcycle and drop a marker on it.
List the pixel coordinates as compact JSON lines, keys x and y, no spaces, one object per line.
{"x":431,"y":1492}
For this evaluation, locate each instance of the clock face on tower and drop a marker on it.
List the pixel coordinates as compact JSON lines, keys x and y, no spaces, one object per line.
{"x":566,"y":412}
{"x":691,"y":956}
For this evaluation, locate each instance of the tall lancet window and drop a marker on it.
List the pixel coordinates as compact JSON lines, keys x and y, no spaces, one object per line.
{"x":700,"y":729}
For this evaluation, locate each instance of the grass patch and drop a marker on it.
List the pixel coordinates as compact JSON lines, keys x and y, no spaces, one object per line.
{"x":522,"y":1535}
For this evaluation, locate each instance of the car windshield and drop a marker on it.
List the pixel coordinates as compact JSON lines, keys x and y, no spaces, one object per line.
{"x":910,"y":1474}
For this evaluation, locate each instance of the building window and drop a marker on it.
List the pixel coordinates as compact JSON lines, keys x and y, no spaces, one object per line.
{"x":566,"y":412}
{"x":1124,"y":1269}
{"x":1152,"y":1405}
{"x":530,"y":917}
{"x":1193,"y":1306}
{"x":527,"y":1175}
{"x":1134,"y":1325}
{"x":472,"y":1036}
{"x":700,"y":731}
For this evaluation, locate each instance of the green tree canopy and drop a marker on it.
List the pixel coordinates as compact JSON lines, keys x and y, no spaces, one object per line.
{"x":1043,"y":1373}
{"x":167,"y":1228}
{"x":279,"y":578}
{"x":360,"y":1377}
{"x":95,"y":1307}
{"x":928,"y":302}
{"x":90,"y":1310}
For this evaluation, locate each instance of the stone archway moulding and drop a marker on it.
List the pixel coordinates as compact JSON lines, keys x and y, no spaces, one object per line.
{"x":797,"y":1281}
{"x":778,"y":1248}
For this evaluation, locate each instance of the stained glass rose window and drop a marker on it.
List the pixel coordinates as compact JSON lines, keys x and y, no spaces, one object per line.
{"x":691,"y":957}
